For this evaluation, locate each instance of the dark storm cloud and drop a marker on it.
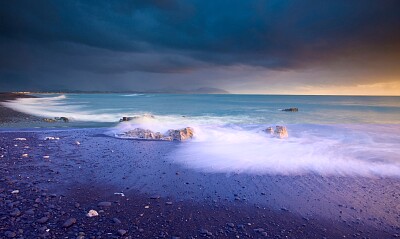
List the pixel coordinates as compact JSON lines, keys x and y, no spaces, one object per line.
{"x":43,"y":39}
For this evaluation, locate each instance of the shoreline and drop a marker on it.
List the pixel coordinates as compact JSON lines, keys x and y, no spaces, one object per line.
{"x":9,"y":116}
{"x":59,"y":179}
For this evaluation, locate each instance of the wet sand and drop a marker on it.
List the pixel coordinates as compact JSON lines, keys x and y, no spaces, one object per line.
{"x":46,"y":183}
{"x":163,"y":199}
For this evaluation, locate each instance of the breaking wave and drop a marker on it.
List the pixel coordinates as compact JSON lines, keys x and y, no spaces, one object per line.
{"x":132,"y":95}
{"x":345,"y":150}
{"x":57,"y":106}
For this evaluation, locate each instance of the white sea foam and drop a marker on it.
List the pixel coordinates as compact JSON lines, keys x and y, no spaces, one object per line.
{"x":310,"y":149}
{"x":132,"y":95}
{"x":346,"y":150}
{"x":59,"y":106}
{"x":51,"y":107}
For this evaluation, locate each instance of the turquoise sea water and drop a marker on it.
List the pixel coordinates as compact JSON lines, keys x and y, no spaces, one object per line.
{"x":242,"y":109}
{"x":330,"y":135}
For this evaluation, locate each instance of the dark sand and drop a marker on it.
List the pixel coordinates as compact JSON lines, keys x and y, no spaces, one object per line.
{"x":166,"y":200}
{"x":10,"y":116}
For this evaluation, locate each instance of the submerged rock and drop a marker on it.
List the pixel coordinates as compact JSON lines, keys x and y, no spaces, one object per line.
{"x":49,"y":120}
{"x":125,"y":118}
{"x":64,"y":119}
{"x":269,"y":130}
{"x":129,"y":118}
{"x":291,"y":109}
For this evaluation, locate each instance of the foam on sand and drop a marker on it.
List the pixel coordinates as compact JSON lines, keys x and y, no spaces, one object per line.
{"x":324,"y":150}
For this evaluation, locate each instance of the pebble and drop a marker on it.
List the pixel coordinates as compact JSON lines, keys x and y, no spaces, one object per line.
{"x":43,"y":220}
{"x":231,"y":225}
{"x":15,"y":192}
{"x":20,"y":139}
{"x":121,"y":232}
{"x":30,"y":212}
{"x":15,"y":213}
{"x":51,"y":138}
{"x":104,"y":204}
{"x":168,"y":203}
{"x":92,"y":213}
{"x":116,"y":220}
{"x":69,"y":222}
{"x":10,"y":234}
{"x":205,"y":232}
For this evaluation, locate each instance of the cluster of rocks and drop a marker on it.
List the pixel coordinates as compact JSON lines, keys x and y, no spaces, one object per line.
{"x":279,"y":131}
{"x":56,"y":119}
{"x":170,"y":135}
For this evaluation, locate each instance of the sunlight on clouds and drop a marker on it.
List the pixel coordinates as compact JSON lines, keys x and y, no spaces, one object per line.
{"x":384,"y":88}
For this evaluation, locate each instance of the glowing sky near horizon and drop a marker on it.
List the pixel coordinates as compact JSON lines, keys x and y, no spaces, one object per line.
{"x":260,"y":47}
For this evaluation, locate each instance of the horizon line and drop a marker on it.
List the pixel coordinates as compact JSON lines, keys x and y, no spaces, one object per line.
{"x":180,"y":93}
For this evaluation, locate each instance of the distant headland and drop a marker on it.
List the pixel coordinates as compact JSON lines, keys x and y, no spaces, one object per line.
{"x":203,"y":90}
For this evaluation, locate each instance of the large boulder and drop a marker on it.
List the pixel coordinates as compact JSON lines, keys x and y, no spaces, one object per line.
{"x":180,"y":134}
{"x":170,"y":135}
{"x":279,"y":132}
{"x":139,"y":133}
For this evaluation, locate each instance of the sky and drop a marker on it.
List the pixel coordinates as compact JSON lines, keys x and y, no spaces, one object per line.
{"x":254,"y":46}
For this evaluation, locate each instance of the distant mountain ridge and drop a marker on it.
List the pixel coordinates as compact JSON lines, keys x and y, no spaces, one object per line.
{"x":202,"y":90}
{"x":210,"y":90}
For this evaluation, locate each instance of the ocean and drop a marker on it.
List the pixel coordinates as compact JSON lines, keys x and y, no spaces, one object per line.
{"x":329,"y":135}
{"x":239,"y":109}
